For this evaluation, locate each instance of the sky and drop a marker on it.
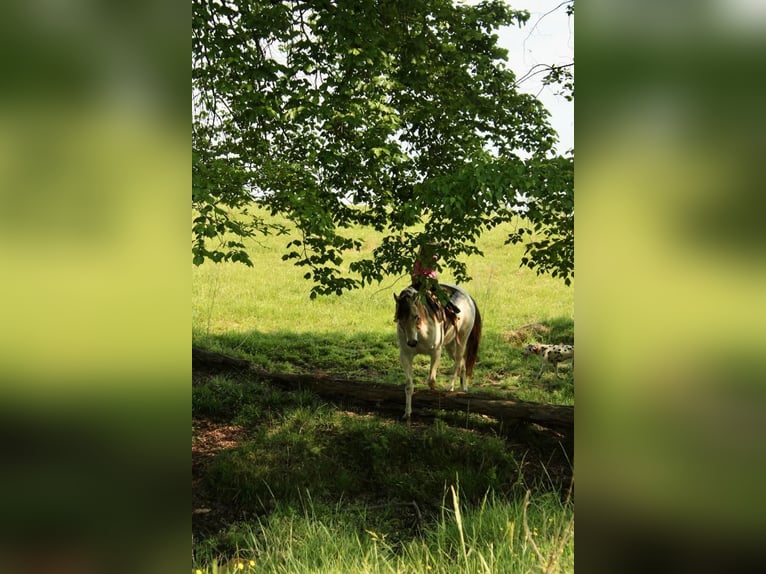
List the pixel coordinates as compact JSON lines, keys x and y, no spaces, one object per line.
{"x":544,"y":39}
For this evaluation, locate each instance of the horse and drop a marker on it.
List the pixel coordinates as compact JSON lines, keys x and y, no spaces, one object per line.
{"x":425,"y":331}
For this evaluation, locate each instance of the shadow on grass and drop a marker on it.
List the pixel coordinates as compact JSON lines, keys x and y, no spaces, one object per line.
{"x":374,"y":357}
{"x":292,"y":445}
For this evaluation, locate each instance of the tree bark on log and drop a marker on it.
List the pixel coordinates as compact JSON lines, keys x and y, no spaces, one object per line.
{"x":556,"y":417}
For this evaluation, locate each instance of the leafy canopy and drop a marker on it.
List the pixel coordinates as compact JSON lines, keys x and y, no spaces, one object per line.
{"x":397,"y":115}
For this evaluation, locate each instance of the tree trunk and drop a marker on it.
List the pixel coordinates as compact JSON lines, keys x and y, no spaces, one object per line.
{"x":556,"y":417}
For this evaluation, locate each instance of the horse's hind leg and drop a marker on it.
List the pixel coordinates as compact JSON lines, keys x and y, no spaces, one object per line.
{"x":461,"y":369}
{"x":457,"y":353}
{"x":435,"y":357}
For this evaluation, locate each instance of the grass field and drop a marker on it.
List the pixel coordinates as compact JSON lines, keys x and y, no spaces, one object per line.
{"x":285,"y":482}
{"x":264,"y":314}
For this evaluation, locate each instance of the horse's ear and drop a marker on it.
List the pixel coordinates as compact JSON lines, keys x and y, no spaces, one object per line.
{"x":397,"y":304}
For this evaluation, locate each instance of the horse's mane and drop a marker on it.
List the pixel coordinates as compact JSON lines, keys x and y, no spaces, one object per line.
{"x":424,"y":309}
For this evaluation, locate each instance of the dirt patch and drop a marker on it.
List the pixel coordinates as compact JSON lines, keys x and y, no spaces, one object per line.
{"x":209,"y":438}
{"x":518,"y":336}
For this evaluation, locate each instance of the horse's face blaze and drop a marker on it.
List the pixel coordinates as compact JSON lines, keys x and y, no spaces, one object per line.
{"x":411,"y":328}
{"x":409,"y":322}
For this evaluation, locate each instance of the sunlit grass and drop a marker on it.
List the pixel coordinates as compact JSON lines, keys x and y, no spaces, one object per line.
{"x":494,"y":537}
{"x":264,"y":314}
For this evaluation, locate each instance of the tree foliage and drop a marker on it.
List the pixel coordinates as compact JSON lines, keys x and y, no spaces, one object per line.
{"x":398,"y":115}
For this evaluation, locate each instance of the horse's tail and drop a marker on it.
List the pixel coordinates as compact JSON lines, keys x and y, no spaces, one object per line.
{"x":472,"y":347}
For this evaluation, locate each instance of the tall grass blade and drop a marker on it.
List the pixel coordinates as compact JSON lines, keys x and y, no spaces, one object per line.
{"x":459,"y":520}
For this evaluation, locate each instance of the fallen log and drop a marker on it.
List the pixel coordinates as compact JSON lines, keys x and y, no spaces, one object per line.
{"x":210,"y":361}
{"x":556,"y":417}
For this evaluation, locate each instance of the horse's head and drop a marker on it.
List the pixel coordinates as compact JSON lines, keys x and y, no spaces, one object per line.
{"x":408,"y":315}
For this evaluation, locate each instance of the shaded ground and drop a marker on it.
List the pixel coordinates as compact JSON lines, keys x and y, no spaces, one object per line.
{"x":209,"y":513}
{"x":544,"y":457}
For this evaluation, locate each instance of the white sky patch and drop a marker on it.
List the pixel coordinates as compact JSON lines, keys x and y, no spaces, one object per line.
{"x":547,"y":38}
{"x":742,"y":15}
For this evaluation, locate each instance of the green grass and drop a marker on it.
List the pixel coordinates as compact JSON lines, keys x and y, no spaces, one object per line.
{"x":315,"y":487}
{"x":492,"y":537}
{"x":324,"y":490}
{"x":339,"y":456}
{"x":265,"y":315}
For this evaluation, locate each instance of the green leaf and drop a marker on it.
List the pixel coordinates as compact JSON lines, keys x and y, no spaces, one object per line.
{"x":394,"y":116}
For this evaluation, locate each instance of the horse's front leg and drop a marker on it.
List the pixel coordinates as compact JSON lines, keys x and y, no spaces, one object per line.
{"x":406,"y":361}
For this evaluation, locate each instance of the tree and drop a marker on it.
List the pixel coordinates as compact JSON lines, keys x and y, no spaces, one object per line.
{"x":397,"y":115}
